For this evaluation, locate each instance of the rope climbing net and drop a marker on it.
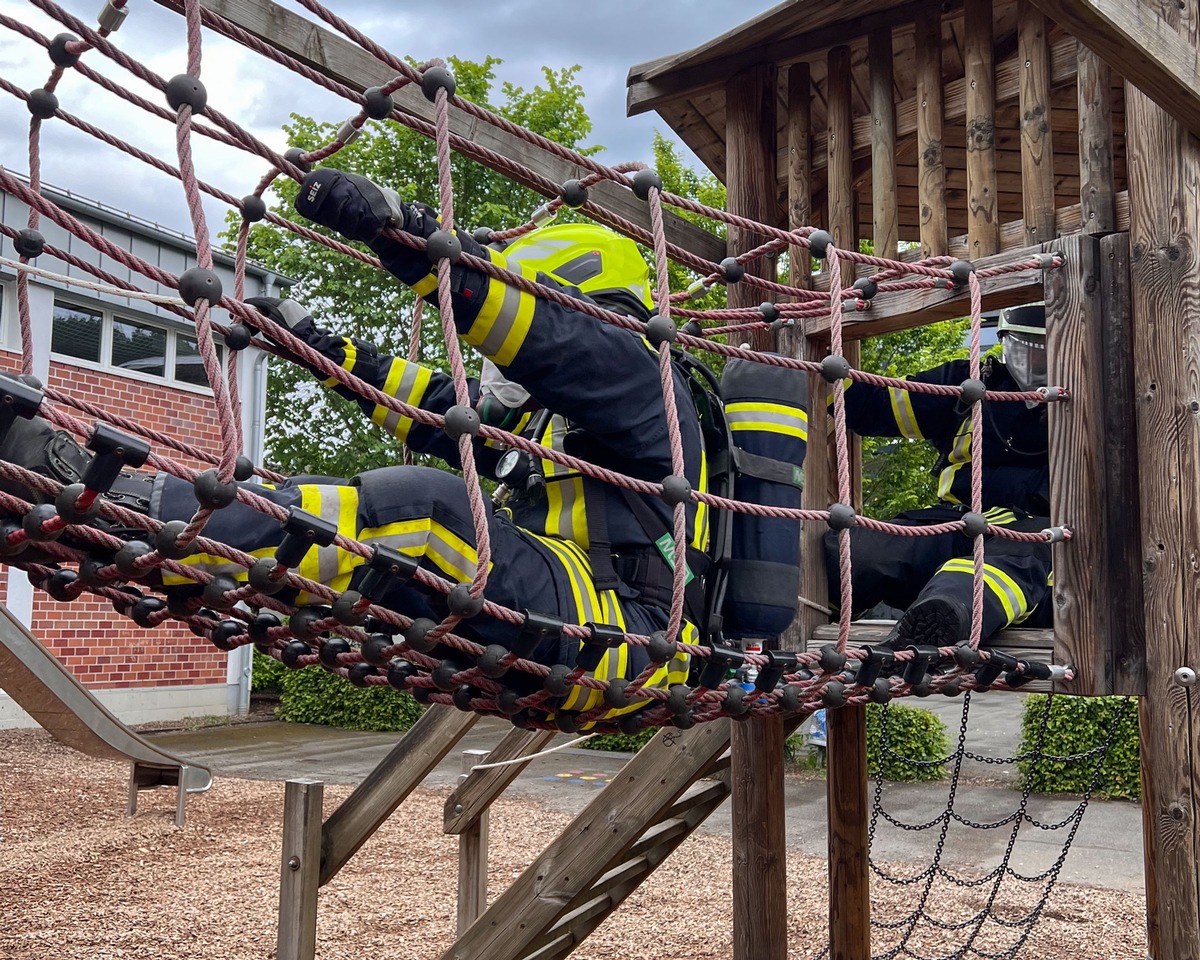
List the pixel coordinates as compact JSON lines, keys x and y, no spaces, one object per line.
{"x":74,"y":548}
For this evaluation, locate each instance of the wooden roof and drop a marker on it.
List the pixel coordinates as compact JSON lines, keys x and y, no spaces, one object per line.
{"x":688,"y":91}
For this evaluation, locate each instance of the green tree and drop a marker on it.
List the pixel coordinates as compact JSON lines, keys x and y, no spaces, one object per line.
{"x":310,"y":430}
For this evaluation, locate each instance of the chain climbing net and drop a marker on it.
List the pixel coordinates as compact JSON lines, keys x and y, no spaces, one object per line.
{"x":347,"y":632}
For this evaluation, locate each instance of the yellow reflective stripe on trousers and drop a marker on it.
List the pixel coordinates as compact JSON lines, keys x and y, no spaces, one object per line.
{"x":406,"y":382}
{"x":212,"y":564}
{"x":1002,"y":586}
{"x":579,"y":575}
{"x":960,"y":453}
{"x":906,"y":417}
{"x":768,"y":417}
{"x":566,"y":507}
{"x":503,"y":320}
{"x":423,"y":537}
{"x":349,"y":358}
{"x":611,"y":665}
{"x":338,"y":503}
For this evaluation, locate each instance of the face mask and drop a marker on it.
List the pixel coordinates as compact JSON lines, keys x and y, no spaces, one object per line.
{"x":1025,"y":358}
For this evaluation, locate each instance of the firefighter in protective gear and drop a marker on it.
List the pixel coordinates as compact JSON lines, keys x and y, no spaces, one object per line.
{"x":931,"y":577}
{"x":566,"y":546}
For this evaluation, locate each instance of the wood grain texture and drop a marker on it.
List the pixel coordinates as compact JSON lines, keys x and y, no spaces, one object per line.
{"x":885,"y":234}
{"x":1037,"y":146}
{"x":1096,"y":184}
{"x":983,"y":221}
{"x":931,"y":166}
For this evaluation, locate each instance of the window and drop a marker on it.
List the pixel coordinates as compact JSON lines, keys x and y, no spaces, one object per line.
{"x":127,"y":344}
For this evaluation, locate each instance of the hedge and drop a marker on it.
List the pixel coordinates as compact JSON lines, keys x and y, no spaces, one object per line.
{"x":916,"y":744}
{"x":1075,"y":727}
{"x":313,"y":695}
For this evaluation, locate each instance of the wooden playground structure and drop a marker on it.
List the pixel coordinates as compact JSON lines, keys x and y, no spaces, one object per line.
{"x":984,"y":130}
{"x":974,"y":129}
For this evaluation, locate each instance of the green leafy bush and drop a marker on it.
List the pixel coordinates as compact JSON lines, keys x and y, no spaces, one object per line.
{"x":313,"y":695}
{"x":1077,"y":726}
{"x":915,"y":740}
{"x":267,"y":674}
{"x":621,"y":742}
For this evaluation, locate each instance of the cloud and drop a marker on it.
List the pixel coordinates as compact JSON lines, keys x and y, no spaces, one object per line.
{"x":604,"y":39}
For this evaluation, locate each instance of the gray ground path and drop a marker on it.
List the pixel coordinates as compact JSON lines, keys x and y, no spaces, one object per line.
{"x":1107,"y":848}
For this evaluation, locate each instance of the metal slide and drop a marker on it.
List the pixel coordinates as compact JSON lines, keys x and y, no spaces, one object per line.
{"x":48,"y":692}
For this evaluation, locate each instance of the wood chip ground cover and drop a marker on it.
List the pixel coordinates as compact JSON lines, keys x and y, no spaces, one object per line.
{"x":80,"y":880}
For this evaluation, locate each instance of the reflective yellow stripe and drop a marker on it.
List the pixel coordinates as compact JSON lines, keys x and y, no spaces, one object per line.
{"x":503,"y":320}
{"x":700,"y":527}
{"x":1002,"y":586}
{"x":579,"y":574}
{"x":426,"y":285}
{"x":566,"y":506}
{"x":1000,"y":517}
{"x":211,"y":563}
{"x":960,"y":453}
{"x":406,"y":382}
{"x":767,"y":417}
{"x":518,"y":428}
{"x":423,"y":537}
{"x":906,"y":417}
{"x":349,"y":358}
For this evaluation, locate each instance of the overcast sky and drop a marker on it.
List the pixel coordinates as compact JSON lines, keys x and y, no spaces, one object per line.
{"x":605,"y":38}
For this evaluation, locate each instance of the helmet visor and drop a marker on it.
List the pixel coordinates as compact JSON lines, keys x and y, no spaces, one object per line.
{"x":1025,"y":357}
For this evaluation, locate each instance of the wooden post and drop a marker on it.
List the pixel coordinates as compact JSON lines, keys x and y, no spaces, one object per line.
{"x":983,"y":216}
{"x":299,"y":871}
{"x":931,"y":183}
{"x":759,"y":838}
{"x":1096,"y":188}
{"x":1037,"y":150}
{"x":846,"y":783}
{"x":472,"y":857}
{"x":1164,"y":167}
{"x":885,"y":233}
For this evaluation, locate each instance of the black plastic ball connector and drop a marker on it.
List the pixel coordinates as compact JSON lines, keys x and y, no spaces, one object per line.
{"x":833,"y":694}
{"x":1028,"y":672}
{"x":973,"y":390}
{"x":490,"y":662}
{"x":254,"y":208}
{"x":89,"y":569}
{"x":261,"y":626}
{"x":400,"y":672}
{"x":185,"y":90}
{"x":114,"y":452}
{"x":304,"y":622}
{"x":130,"y":553}
{"x":832,"y":659}
{"x":867,"y":288}
{"x":34,"y":521}
{"x":841,"y":516}
{"x":461,"y":421}
{"x":216,"y":590}
{"x":11,"y":548}
{"x":358,"y":673}
{"x":421,"y":694}
{"x":574,"y":194}
{"x":482,"y":235}
{"x":881,"y":692}
{"x":238,"y":337}
{"x":198,"y":284}
{"x":332,"y":650}
{"x":660,"y":649}
{"x":732,"y":269}
{"x":60,"y":56}
{"x":295,"y":156}
{"x":125,"y":599}
{"x":417,"y":635}
{"x":292,"y":651}
{"x":557,"y":682}
{"x":974,"y":524}
{"x":678,"y":703}
{"x":375,"y":649}
{"x":952,"y":687}
{"x":142,"y":612}
{"x":29,"y":243}
{"x":444,"y":673}
{"x":961,"y":271}
{"x":462,"y":604}
{"x":260,"y":576}
{"x":692,"y":329}
{"x":63,"y":585}
{"x":376,"y":104}
{"x":301,"y":532}
{"x":344,"y":611}
{"x":64,"y":504}
{"x":165,"y":540}
{"x":443,"y":245}
{"x":629,"y":724}
{"x":462,"y":695}
{"x":789,"y":698}
{"x":835,"y":368}
{"x":819,"y":242}
{"x":202,"y":623}
{"x":660,"y":330}
{"x":768,"y":311}
{"x":567,"y":721}
{"x":506,"y":702}
{"x":676,"y":490}
{"x":224,"y":633}
{"x":213,"y":492}
{"x":735,"y":703}
{"x":779,"y":664}
{"x":42,"y":103}
{"x":965,"y":657}
{"x":643,"y":182}
{"x":614,"y":693}
{"x":437,"y":78}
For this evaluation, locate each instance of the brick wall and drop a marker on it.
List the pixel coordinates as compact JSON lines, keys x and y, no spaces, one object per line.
{"x":103,"y":649}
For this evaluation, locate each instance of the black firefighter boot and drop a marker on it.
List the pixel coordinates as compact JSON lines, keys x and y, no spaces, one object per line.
{"x":934,"y":621}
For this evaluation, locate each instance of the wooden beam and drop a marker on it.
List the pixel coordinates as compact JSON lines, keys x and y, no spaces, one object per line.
{"x":1164,"y":167}
{"x":982,"y":215}
{"x":759,"y":830}
{"x":931,"y":167}
{"x":1037,"y":146}
{"x":800,"y":206}
{"x":477,"y":791}
{"x":885,"y":234}
{"x":1096,"y":182}
{"x":299,"y":870}
{"x":352,"y":66}
{"x":1136,"y":39}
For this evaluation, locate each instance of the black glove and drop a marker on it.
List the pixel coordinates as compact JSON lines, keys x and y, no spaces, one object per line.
{"x":352,"y":205}
{"x":287,"y":313}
